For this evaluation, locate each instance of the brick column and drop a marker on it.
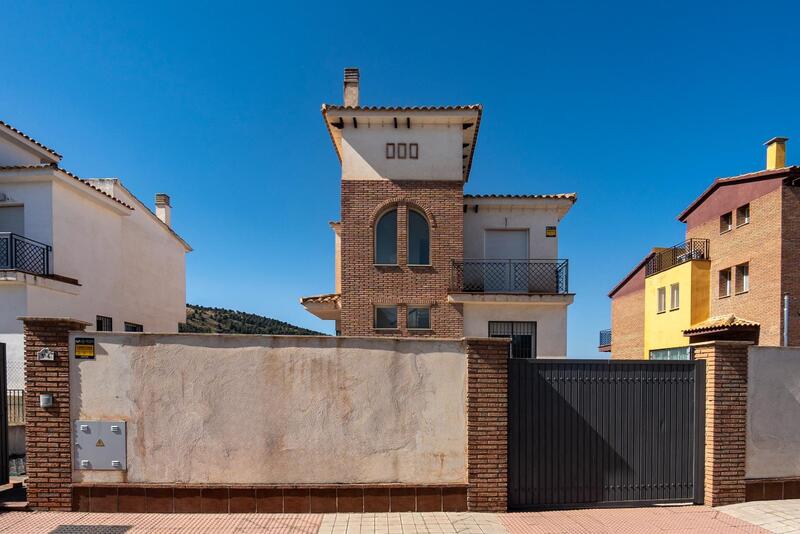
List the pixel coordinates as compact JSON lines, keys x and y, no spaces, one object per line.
{"x":726,"y":419}
{"x":487,"y":424}
{"x":48,"y":433}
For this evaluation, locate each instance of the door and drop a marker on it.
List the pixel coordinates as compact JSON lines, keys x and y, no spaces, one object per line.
{"x":522,"y":334}
{"x":503,"y":250}
{"x":602,"y":432}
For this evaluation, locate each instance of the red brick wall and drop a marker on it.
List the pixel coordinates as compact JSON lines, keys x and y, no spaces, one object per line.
{"x":365,"y":285}
{"x":627,"y":325}
{"x":726,"y":419}
{"x":47,"y":430}
{"x":487,"y":424}
{"x":790,"y":259}
{"x":758,"y":243}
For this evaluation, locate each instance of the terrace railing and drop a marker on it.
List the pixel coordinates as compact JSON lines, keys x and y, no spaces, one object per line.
{"x":22,"y":254}
{"x":691,"y":249}
{"x":510,"y":276}
{"x":605,"y":338}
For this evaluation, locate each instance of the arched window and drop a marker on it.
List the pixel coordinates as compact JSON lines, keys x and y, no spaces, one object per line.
{"x":419,"y":244}
{"x":386,"y":239}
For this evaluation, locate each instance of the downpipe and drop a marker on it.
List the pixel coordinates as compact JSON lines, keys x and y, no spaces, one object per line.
{"x":786,"y":319}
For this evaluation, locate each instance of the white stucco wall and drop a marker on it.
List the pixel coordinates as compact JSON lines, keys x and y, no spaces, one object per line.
{"x":534,"y":217}
{"x":13,"y":153}
{"x":773,"y":412}
{"x":440,"y":152}
{"x":272,"y":409}
{"x":551,"y":323}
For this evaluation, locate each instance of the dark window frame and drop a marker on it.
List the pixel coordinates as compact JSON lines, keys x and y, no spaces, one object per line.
{"x":739,"y":277}
{"x":133,"y":327}
{"x":104,"y":323}
{"x":517,"y":331}
{"x":390,"y":150}
{"x":413,"y":151}
{"x":408,"y":318}
{"x":385,"y":306}
{"x":402,"y":150}
{"x":746,"y":217}
{"x":376,"y":237}
{"x":409,"y":240}
{"x":728,"y":285}
{"x":726,"y":217}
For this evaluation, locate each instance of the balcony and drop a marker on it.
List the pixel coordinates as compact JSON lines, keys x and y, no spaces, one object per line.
{"x":691,"y":249}
{"x":544,"y":277}
{"x":19,"y":253}
{"x":605,"y":341}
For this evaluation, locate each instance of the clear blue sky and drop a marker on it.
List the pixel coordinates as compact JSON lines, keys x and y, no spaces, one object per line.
{"x":636,"y":106}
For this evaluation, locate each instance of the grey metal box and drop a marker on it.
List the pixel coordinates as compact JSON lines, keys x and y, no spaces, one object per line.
{"x":100,"y":445}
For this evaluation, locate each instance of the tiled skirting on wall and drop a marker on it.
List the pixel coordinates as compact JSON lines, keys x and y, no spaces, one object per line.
{"x":771,"y":489}
{"x":140,"y":498}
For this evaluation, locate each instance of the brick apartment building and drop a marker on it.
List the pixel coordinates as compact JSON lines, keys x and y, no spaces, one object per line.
{"x":415,"y":256}
{"x":738,"y":266}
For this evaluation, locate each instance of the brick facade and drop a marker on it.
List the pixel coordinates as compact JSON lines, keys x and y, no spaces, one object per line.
{"x":48,"y":435}
{"x":627,"y":326}
{"x":365,"y":285}
{"x":758,"y":243}
{"x":726,"y":420}
{"x":790,"y":259}
{"x":487,"y":424}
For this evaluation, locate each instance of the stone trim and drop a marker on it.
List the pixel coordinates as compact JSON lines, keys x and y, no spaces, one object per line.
{"x":772,"y":489}
{"x":487,"y":424}
{"x":726,"y":420}
{"x":314,"y":498}
{"x":48,"y":434}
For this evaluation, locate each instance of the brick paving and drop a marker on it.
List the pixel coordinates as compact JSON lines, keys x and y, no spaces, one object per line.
{"x":772,"y":516}
{"x":684,"y":520}
{"x":672,"y":519}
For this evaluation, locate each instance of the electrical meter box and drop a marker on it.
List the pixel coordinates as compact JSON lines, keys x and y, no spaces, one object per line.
{"x":100,"y":445}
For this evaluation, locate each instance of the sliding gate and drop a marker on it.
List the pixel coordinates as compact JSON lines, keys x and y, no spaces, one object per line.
{"x":603,"y":432}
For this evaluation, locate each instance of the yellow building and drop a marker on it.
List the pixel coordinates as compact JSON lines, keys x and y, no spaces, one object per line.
{"x":676,"y":296}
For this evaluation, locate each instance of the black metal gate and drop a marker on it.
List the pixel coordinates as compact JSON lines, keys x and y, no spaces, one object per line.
{"x":3,"y":418}
{"x":603,"y":432}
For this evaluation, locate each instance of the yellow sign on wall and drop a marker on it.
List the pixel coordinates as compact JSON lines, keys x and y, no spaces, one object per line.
{"x":84,"y":348}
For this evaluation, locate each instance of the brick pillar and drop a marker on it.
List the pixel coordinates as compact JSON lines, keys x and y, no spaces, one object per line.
{"x":726,"y":419}
{"x":487,"y":424}
{"x":47,"y":430}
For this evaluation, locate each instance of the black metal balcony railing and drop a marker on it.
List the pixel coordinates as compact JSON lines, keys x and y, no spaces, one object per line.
{"x":510,"y":276}
{"x":605,"y":338}
{"x":23,"y":254}
{"x":691,"y":249}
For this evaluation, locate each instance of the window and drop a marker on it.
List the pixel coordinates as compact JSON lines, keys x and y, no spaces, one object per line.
{"x":743,"y":215}
{"x":726,"y":222}
{"x":413,"y":150}
{"x":679,"y":353}
{"x":419,"y":317}
{"x":386,"y":239}
{"x":725,"y":283}
{"x":522,"y":334}
{"x":386,"y":317}
{"x":743,"y":278}
{"x":133,"y":327}
{"x":401,"y":150}
{"x":104,"y":324}
{"x":418,"y":239}
{"x":662,"y":299}
{"x":389,"y":150}
{"x":674,"y":296}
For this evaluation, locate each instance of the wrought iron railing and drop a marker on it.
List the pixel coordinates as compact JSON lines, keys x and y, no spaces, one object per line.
{"x":23,"y":254}
{"x":16,"y":406}
{"x":510,"y":276}
{"x":605,"y":338}
{"x":691,"y":249}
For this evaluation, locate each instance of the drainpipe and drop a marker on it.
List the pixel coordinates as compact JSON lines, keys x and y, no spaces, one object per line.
{"x":786,"y":319}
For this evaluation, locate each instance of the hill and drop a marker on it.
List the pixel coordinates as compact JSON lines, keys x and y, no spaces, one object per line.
{"x":206,"y":320}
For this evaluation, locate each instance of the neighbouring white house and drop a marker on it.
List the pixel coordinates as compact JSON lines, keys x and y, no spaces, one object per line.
{"x":81,"y":248}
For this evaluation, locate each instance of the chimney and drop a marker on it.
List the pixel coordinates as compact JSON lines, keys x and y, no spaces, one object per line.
{"x":163,"y":209}
{"x":351,"y":87}
{"x":776,"y":152}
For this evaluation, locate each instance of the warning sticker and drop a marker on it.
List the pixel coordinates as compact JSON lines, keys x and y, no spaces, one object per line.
{"x":99,"y":443}
{"x":84,"y":348}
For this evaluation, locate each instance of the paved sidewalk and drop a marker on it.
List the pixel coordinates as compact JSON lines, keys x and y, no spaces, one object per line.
{"x":684,"y":520}
{"x":773,"y":516}
{"x":661,"y":519}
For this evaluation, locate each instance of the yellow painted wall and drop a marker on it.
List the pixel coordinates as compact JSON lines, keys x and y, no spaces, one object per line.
{"x":665,"y":330}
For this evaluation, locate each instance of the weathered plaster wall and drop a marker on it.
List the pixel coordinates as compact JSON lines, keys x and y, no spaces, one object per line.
{"x":264,"y":409}
{"x":773,"y":412}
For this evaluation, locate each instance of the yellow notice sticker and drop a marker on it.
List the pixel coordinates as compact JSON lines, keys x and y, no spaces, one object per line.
{"x":84,"y":347}
{"x":99,"y":443}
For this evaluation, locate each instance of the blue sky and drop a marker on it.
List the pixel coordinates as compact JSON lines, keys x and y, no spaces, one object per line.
{"x":636,"y":106}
